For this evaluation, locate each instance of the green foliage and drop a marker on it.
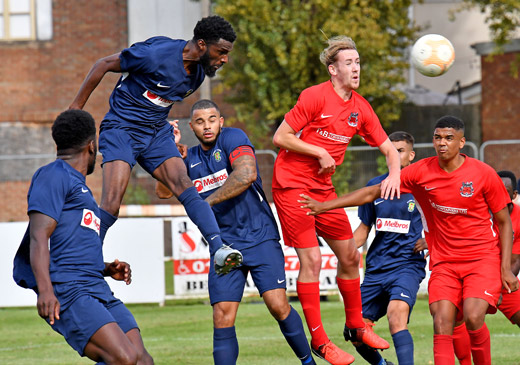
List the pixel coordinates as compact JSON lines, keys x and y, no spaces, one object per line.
{"x":502,"y":17}
{"x":276,"y":54}
{"x":136,"y":194}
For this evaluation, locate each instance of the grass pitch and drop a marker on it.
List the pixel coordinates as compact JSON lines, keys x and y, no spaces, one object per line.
{"x":181,"y":333}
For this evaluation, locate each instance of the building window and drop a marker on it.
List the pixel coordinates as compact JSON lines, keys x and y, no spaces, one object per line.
{"x":17,"y":20}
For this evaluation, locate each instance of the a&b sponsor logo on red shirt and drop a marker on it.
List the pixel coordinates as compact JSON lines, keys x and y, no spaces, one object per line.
{"x":90,"y":220}
{"x":392,"y":225}
{"x":210,"y":182}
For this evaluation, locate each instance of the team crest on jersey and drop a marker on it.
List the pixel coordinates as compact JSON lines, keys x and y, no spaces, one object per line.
{"x":217,"y":155}
{"x":466,"y":190}
{"x":411,"y":205}
{"x":352,"y":119}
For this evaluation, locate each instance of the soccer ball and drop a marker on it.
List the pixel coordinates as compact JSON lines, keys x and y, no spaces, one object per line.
{"x":433,"y":55}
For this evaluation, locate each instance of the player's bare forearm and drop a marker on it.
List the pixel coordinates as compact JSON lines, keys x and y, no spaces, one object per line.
{"x":361,"y":234}
{"x":390,"y":186}
{"x":41,"y":228}
{"x":358,"y":197}
{"x":509,"y":281}
{"x":93,"y":78}
{"x":239,"y":180}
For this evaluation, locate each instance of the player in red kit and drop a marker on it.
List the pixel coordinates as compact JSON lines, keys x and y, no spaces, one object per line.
{"x":313,"y":139}
{"x":469,"y":261}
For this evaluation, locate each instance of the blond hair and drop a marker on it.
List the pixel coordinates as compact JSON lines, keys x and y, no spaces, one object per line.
{"x":336,"y":44}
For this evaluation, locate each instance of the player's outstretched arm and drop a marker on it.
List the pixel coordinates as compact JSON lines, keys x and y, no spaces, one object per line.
{"x":94,"y":77}
{"x":358,"y":197}
{"x":285,"y":137}
{"x":509,"y":281}
{"x":390,"y":186}
{"x":239,"y":180}
{"x":118,"y":270}
{"x":41,"y":228}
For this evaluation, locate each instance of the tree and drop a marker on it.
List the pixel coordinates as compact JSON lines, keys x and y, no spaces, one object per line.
{"x":503,"y":17}
{"x":276,"y":54}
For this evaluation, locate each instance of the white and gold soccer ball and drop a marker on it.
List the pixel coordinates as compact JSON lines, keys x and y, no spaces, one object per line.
{"x":433,"y":55}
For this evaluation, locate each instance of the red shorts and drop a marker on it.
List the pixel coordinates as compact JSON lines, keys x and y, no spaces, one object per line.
{"x":298,"y":228}
{"x":456,"y":281}
{"x":510,"y":303}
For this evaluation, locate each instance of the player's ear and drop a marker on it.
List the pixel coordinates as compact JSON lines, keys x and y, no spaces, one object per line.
{"x":332,"y":69}
{"x":462,"y":142}
{"x":412,"y":155}
{"x":221,"y":122}
{"x":202,"y":45}
{"x":191,"y":125}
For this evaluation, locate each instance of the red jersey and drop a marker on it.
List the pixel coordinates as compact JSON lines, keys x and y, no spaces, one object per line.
{"x":322,"y":118}
{"x":515,"y":219}
{"x":458,"y":207}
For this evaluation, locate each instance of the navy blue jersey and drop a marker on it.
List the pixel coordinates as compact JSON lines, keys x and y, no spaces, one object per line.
{"x":398,"y":227}
{"x":245,"y":220}
{"x":59,"y":191}
{"x":153,"y":79}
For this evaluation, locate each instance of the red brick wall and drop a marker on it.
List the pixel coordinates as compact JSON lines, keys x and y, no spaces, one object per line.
{"x":501,"y":112}
{"x":42,"y":78}
{"x":500,"y":99}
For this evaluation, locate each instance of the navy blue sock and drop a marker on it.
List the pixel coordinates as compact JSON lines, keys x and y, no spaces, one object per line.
{"x":225,"y":346}
{"x":292,"y":329}
{"x":201,"y":214}
{"x":371,"y":355}
{"x":403,"y":344}
{"x":107,"y":220}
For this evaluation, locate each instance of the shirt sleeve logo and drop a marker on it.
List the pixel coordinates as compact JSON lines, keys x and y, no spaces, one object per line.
{"x":466,"y":190}
{"x":90,"y":220}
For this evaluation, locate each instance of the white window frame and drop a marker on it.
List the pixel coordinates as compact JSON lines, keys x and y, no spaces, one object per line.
{"x":6,"y":15}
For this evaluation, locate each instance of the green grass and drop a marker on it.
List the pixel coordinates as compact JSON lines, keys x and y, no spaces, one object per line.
{"x":182,"y":334}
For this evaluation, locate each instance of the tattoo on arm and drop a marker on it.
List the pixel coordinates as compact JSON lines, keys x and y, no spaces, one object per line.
{"x":243,"y":175}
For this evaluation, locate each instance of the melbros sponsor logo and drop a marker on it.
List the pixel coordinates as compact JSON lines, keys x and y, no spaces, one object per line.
{"x":392,"y":225}
{"x":211,"y":182}
{"x":157,"y":100}
{"x":90,"y":220}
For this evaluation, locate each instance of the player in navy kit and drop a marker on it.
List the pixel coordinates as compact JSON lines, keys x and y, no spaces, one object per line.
{"x":394,"y":263}
{"x":156,"y":73}
{"x":223,"y":168}
{"x":64,"y":250}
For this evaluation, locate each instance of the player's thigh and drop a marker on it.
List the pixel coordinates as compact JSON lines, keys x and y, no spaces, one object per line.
{"x":346,"y":252}
{"x":510,"y":306}
{"x":116,"y":175}
{"x":298,"y":228}
{"x":374,"y":298}
{"x":110,"y":344}
{"x":482,"y":279}
{"x":334,"y":224}
{"x":160,"y":148}
{"x":229,"y":287}
{"x":446,"y":284}
{"x":172,"y":173}
{"x":143,"y":357}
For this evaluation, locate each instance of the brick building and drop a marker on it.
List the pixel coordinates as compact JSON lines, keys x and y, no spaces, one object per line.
{"x":500,"y":107}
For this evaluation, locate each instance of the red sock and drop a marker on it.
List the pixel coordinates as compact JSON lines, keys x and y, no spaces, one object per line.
{"x":351,"y":293}
{"x":461,"y":344}
{"x":443,"y":350}
{"x":309,"y":296}
{"x":480,"y":345}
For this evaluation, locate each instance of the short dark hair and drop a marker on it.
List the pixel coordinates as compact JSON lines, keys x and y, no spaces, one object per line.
{"x":449,"y":121}
{"x":204,"y":104}
{"x":73,"y":129}
{"x":213,"y":28}
{"x":508,"y":175}
{"x":401,"y":136}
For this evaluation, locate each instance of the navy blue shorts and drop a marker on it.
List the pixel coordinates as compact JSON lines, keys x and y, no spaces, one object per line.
{"x":377,"y":290}
{"x":148,"y":144}
{"x":88,"y":307}
{"x":265,"y":261}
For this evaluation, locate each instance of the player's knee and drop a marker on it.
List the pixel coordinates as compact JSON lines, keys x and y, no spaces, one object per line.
{"x":126,"y":356}
{"x":279,"y":310}
{"x":442,"y":325}
{"x":474,"y":320}
{"x":144,"y":358}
